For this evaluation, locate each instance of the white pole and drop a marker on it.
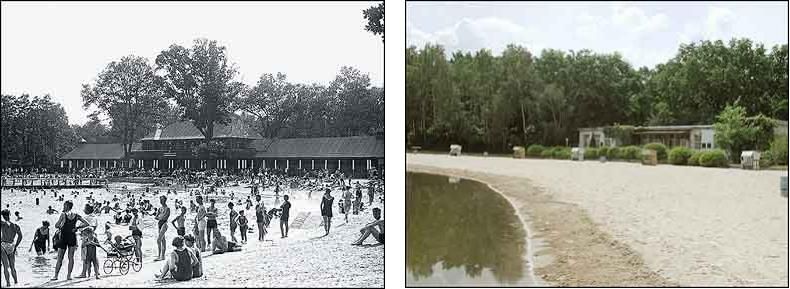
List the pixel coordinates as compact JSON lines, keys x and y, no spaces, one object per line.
{"x":325,"y":164}
{"x":300,"y":164}
{"x":312,"y":164}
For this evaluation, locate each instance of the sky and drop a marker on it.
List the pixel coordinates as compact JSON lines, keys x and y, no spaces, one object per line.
{"x":54,"y":48}
{"x":645,"y":33}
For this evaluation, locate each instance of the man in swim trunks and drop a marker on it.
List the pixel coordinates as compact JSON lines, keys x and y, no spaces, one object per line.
{"x":371,"y":229}
{"x":161,"y":216}
{"x":285,"y":209}
{"x":200,"y":224}
{"x":8,"y":231}
{"x":211,"y":220}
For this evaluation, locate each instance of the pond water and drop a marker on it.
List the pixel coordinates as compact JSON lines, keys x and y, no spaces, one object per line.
{"x":461,"y":233}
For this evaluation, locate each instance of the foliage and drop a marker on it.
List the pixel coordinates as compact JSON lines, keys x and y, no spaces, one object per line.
{"x":491,"y":102}
{"x":561,"y":153}
{"x":694,"y":158}
{"x":34,"y":132}
{"x":631,"y":153}
{"x":535,"y":150}
{"x":735,"y":132}
{"x":623,"y":133}
{"x":604,"y":151}
{"x":129,"y":93}
{"x":614,"y":153}
{"x":590,"y":153}
{"x":209,"y":150}
{"x":714,"y":158}
{"x":375,"y":17}
{"x":661,"y":150}
{"x":547,"y":153}
{"x":767,"y":159}
{"x":200,"y":80}
{"x":680,"y":155}
{"x":778,"y":151}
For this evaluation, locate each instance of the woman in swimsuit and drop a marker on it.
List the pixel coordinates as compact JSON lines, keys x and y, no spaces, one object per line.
{"x":162,"y":215}
{"x":41,"y":238}
{"x":137,"y":234}
{"x":326,"y":210}
{"x":67,"y":225}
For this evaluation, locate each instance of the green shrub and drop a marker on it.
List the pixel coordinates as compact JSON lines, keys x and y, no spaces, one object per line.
{"x":661,"y":150}
{"x":779,"y":150}
{"x":680,"y":155}
{"x":613,"y":153}
{"x":631,"y":153}
{"x":590,"y":153}
{"x":535,"y":150}
{"x":714,"y":158}
{"x":603,"y":152}
{"x":547,"y":153}
{"x":561,"y":153}
{"x":694,"y":158}
{"x":766,"y":159}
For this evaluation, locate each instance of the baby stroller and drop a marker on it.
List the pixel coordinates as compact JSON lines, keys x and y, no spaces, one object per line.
{"x":121,"y":256}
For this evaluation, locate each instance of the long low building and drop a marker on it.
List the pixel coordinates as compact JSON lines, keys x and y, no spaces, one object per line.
{"x":172,"y":147}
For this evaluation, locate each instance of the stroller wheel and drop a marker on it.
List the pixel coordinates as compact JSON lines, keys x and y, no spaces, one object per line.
{"x":136,"y":266}
{"x":124,"y":267}
{"x":108,"y":266}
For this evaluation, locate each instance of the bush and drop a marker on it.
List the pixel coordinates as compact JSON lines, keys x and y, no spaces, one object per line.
{"x":694,"y":158}
{"x":613,"y":153}
{"x":631,"y":153}
{"x":714,"y":158}
{"x":535,"y":150}
{"x":603,"y":152}
{"x":661,"y":150}
{"x":590,"y":153}
{"x":547,"y":153}
{"x":561,"y":153}
{"x":778,"y":151}
{"x":766,"y":159}
{"x":680,"y":155}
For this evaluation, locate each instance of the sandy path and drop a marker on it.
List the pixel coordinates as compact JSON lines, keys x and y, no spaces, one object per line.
{"x":694,"y":226}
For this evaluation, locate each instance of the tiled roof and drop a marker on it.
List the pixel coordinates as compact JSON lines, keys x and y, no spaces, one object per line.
{"x":93,"y":151}
{"x":325,"y":147}
{"x":185,"y":130}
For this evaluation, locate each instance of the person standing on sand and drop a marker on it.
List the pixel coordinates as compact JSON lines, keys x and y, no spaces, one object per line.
{"x":260,"y":217}
{"x":285,"y":209}
{"x":162,"y":215}
{"x":233,"y":224}
{"x":178,"y":222}
{"x":243,"y":227}
{"x":200,"y":224}
{"x":8,"y":231}
{"x":137,"y":235}
{"x":211,"y":220}
{"x":326,"y":210}
{"x":346,"y":201}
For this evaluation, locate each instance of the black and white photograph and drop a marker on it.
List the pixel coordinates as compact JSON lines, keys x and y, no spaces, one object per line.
{"x":192,"y":144}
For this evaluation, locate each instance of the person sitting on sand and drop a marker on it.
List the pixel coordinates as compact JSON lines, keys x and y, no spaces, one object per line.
{"x":51,"y":211}
{"x":197,"y":268}
{"x":370,"y":229}
{"x":180,"y":263}
{"x":222,"y":245}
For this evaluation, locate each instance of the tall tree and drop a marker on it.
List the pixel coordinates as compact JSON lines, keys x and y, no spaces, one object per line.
{"x":201,"y":81}
{"x":375,"y":17}
{"x":129,"y":93}
{"x":272,"y":101}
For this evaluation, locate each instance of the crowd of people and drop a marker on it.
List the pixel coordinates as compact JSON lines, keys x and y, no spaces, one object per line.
{"x":74,"y":230}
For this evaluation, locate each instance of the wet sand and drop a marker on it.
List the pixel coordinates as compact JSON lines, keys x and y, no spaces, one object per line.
{"x":624,"y":224}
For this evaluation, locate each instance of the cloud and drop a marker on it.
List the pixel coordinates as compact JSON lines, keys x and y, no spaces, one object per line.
{"x":472,"y":34}
{"x":637,"y":21}
{"x":718,"y":23}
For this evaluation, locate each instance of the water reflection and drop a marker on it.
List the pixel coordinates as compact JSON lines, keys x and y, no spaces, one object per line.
{"x":456,"y":224}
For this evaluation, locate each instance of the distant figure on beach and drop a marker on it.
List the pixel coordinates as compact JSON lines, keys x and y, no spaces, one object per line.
{"x":285,"y":208}
{"x":211,"y":220}
{"x":197,"y":268}
{"x":243,"y":226}
{"x":233,"y":216}
{"x":8,"y":231}
{"x":326,"y":210}
{"x":18,"y":217}
{"x":137,"y":235}
{"x":161,"y":216}
{"x":222,"y":245}
{"x":41,"y":239}
{"x":67,"y":237}
{"x":346,"y":201}
{"x":51,"y":211}
{"x":180,"y":263}
{"x":260,"y":217}
{"x":200,"y":224}
{"x":375,"y":228}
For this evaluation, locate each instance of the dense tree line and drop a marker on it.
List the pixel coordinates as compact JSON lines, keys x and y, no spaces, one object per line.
{"x":34,"y":132}
{"x":197,"y":84}
{"x":488,"y":102}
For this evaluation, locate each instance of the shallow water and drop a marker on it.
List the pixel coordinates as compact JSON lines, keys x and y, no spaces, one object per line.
{"x":460,"y":232}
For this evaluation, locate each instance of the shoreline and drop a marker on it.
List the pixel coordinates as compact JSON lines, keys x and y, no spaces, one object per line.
{"x":558,"y":260}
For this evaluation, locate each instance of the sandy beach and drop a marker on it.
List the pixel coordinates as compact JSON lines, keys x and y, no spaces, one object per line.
{"x":625,"y":224}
